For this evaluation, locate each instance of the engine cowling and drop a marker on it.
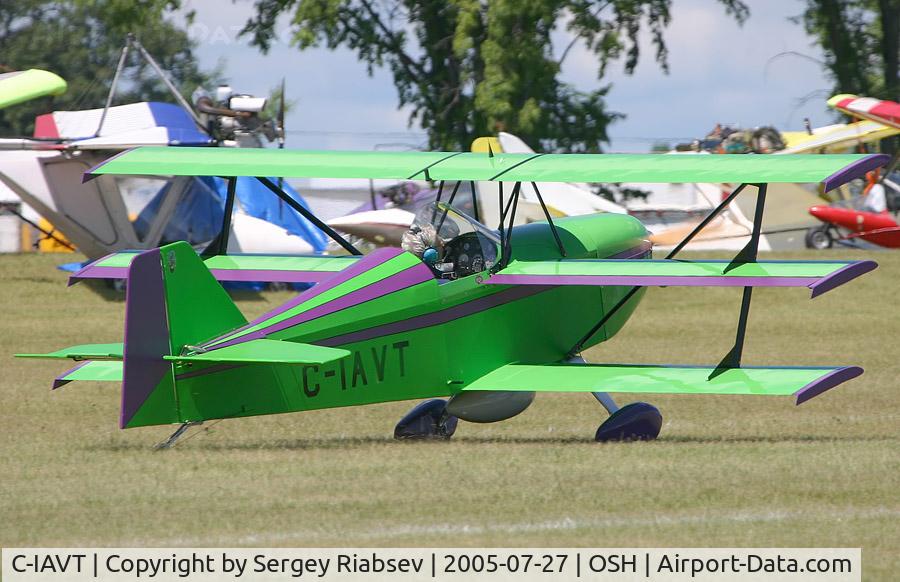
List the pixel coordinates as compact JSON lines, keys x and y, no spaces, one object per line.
{"x":488,"y":406}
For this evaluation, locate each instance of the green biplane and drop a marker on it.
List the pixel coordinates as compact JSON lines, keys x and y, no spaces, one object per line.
{"x":486,"y":317}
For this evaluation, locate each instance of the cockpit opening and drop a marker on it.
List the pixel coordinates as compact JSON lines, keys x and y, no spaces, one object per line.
{"x":451,"y":243}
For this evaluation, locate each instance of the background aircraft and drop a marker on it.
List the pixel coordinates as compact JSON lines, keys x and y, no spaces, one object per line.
{"x":851,"y":219}
{"x":44,"y":172}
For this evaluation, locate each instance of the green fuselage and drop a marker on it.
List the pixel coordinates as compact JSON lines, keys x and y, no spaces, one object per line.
{"x":427,"y":339}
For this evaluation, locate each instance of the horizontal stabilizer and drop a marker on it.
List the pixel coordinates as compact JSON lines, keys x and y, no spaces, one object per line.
{"x":91,"y":370}
{"x":266,"y":351}
{"x":82,"y":352}
{"x":820,"y":276}
{"x":804,"y":383}
{"x":262,"y":268}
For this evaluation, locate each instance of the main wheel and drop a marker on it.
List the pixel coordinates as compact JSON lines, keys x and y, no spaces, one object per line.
{"x":819,"y":238}
{"x":427,"y":420}
{"x":637,"y":421}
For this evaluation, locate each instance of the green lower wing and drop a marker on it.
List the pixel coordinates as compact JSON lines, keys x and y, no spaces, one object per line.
{"x":266,"y":351}
{"x":804,"y":383}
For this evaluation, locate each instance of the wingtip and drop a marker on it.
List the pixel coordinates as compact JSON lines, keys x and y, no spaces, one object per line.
{"x":92,"y":173}
{"x":827,"y":382}
{"x":840,"y":97}
{"x":857,"y":169}
{"x":843,"y":275}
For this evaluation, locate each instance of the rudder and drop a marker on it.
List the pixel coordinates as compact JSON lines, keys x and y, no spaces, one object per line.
{"x":172,"y":301}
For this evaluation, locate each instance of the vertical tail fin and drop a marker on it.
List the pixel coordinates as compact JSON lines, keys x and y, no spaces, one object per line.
{"x":172,"y":301}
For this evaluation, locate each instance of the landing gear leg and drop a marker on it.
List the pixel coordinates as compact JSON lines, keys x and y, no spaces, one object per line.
{"x":427,"y":420}
{"x":637,"y":421}
{"x":173,"y":438}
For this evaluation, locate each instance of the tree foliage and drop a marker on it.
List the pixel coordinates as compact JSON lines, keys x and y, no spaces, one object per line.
{"x":861,"y":41}
{"x":471,"y":67}
{"x":81,"y":40}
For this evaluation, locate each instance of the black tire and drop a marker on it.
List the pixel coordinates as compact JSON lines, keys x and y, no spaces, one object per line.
{"x":427,"y":420}
{"x":637,"y":421}
{"x":819,"y":238}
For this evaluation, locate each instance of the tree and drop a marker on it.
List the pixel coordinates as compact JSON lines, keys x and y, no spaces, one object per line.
{"x":473,"y":67}
{"x":81,"y":40}
{"x":861,"y":42}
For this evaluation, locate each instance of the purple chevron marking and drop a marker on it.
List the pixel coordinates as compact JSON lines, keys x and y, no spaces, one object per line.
{"x":414,"y":275}
{"x":437,"y":317}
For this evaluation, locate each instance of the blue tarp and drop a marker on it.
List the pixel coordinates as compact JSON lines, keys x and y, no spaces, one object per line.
{"x":259,"y":202}
{"x":198,"y":216}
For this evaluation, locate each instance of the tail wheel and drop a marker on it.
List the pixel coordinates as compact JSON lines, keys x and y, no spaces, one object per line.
{"x":819,"y":238}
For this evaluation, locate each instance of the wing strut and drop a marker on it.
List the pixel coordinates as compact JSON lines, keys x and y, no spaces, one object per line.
{"x":506,"y":232}
{"x":437,"y":200}
{"x":475,"y":213}
{"x":226,"y":219}
{"x":562,"y":249}
{"x":609,"y":314}
{"x":447,"y":209}
{"x":309,"y":216}
{"x":747,"y":255}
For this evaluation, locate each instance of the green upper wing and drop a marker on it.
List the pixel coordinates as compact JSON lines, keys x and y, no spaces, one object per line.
{"x":804,"y":383}
{"x":820,"y":276}
{"x":20,"y":86}
{"x":831,"y":170}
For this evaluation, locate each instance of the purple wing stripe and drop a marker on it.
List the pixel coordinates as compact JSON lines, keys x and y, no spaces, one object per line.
{"x":855,"y":170}
{"x":841,"y":276}
{"x":819,"y":285}
{"x":264,"y":275}
{"x":827,"y":382}
{"x":60,"y":380}
{"x":271,"y":275}
{"x":651,"y":281}
{"x":94,"y":272}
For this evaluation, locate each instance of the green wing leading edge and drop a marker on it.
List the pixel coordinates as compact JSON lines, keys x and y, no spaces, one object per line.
{"x":454,"y":319}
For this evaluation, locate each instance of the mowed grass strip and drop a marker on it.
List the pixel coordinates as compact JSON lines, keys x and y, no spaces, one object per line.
{"x":727,"y":471}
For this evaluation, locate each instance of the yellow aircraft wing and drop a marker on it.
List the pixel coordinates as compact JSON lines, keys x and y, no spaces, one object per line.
{"x":836,"y":138}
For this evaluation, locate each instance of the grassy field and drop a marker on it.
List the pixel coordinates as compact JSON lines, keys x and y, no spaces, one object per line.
{"x":727,"y":471}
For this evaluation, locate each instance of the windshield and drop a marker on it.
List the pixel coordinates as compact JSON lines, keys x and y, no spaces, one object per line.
{"x":453,"y":244}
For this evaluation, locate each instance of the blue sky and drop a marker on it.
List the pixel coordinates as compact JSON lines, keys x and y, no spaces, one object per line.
{"x":719,"y":72}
